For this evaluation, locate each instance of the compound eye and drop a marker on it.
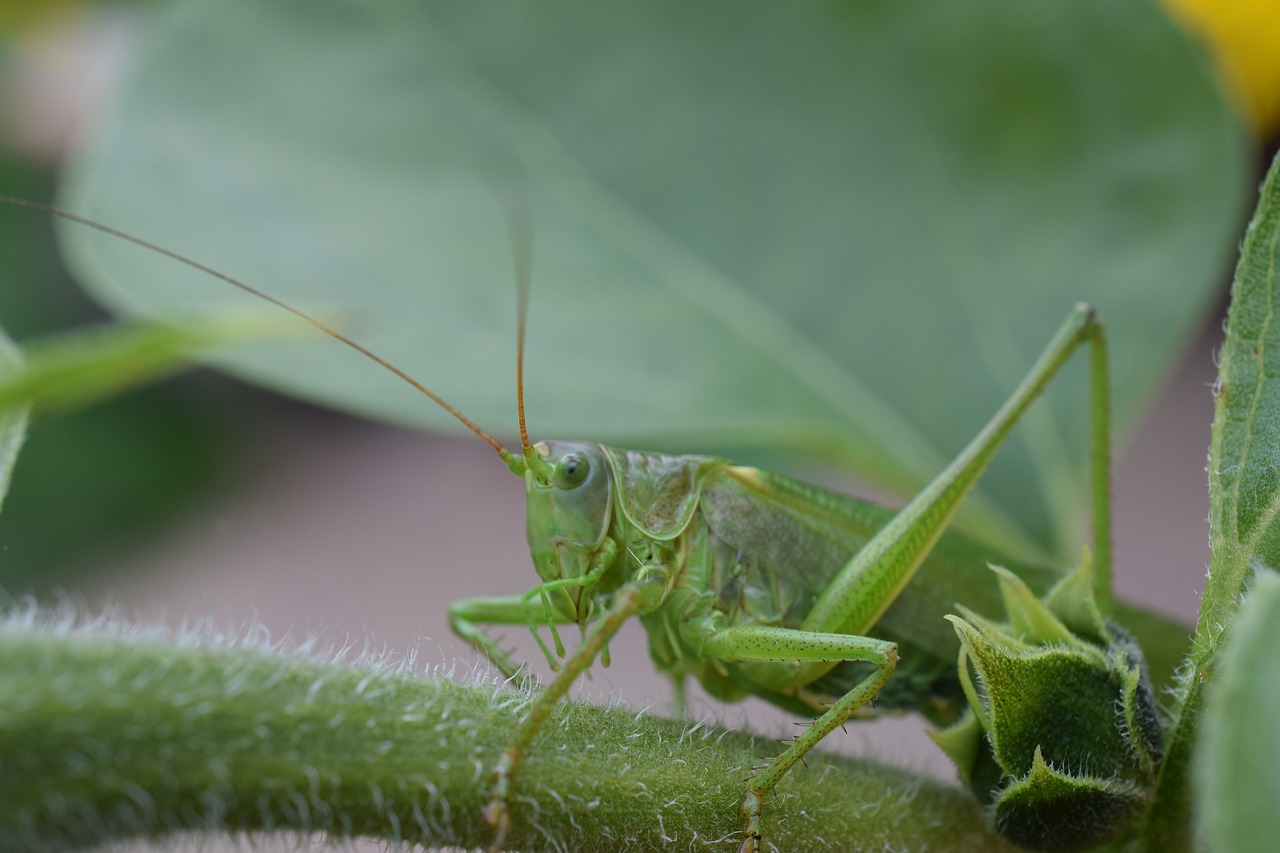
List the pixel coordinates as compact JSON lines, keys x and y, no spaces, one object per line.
{"x":571,"y":470}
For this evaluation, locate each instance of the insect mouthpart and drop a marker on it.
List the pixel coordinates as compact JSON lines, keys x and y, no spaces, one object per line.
{"x":567,"y":513}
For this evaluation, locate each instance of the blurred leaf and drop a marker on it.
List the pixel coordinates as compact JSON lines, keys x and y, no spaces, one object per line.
{"x":39,"y":295}
{"x":13,"y":424}
{"x":1244,"y":487}
{"x":836,"y":229}
{"x":1239,"y":757}
{"x":89,"y":481}
{"x":94,"y":481}
{"x":77,"y":368}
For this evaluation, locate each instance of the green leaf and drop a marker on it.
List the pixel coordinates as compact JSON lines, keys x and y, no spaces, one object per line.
{"x":1239,"y":757}
{"x":151,"y":454}
{"x":13,"y":422}
{"x":1244,"y":487}
{"x":74,"y":370}
{"x":154,"y":454}
{"x":835,"y":229}
{"x":1244,"y":480}
{"x":82,"y":367}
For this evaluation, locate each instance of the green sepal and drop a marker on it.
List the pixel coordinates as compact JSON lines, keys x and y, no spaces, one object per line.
{"x":961,"y":742}
{"x":1073,"y":601}
{"x":1028,"y":617}
{"x":1055,"y":810}
{"x":990,"y":631}
{"x":1137,"y":714}
{"x":1061,"y":699}
{"x":1063,"y":741}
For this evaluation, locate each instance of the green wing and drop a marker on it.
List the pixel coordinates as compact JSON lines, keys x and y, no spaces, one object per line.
{"x":804,"y":535}
{"x":796,"y":527}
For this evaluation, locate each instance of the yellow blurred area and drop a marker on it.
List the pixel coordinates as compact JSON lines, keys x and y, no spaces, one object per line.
{"x":16,"y":15}
{"x":1245,"y":38}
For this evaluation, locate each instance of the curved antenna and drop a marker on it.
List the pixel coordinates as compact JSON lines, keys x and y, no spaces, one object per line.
{"x":520,"y":227}
{"x":253,"y":291}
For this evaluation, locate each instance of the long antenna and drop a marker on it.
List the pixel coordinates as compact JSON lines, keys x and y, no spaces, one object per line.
{"x":520,"y":227}
{"x":326,"y":329}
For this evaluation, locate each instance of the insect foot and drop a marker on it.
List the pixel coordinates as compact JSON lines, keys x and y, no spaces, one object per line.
{"x":496,"y":813}
{"x":1061,"y":741}
{"x":751,"y":811}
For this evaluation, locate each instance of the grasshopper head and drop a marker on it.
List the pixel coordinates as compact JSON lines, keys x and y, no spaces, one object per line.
{"x":568,"y":492}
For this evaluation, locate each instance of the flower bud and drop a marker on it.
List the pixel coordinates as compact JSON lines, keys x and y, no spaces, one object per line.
{"x":1062,"y":740}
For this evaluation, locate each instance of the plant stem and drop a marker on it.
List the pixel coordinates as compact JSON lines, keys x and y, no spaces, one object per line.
{"x":106,"y":736}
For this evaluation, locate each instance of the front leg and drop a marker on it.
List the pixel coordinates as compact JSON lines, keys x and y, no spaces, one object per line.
{"x":764,"y":643}
{"x":468,"y":615}
{"x":633,"y":599}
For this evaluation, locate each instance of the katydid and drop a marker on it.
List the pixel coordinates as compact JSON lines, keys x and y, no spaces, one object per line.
{"x":751,"y":582}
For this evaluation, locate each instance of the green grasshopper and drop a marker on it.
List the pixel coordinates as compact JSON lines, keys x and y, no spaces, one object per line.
{"x":749,"y":581}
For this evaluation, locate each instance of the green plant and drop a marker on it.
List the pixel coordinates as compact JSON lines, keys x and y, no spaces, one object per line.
{"x":1066,"y":196}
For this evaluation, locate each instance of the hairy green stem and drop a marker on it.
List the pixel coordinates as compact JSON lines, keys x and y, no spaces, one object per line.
{"x":105,"y":736}
{"x":1244,"y":527}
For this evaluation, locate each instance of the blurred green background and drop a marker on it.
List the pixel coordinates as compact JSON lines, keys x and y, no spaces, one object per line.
{"x":834,"y":232}
{"x":90,"y":483}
